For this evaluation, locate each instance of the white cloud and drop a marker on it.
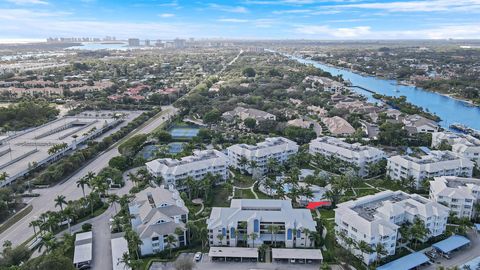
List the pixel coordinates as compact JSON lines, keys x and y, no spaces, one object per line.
{"x":327,"y":31}
{"x":232,"y":9}
{"x":233,"y":20}
{"x":166,"y":15}
{"x":455,"y":31}
{"x":28,"y":2}
{"x":419,"y":6}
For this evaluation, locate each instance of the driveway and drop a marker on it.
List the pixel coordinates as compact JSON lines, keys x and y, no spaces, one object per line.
{"x":20,"y":232}
{"x":206,"y":264}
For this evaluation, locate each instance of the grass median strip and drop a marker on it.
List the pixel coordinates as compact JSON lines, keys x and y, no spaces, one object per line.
{"x":15,"y":218}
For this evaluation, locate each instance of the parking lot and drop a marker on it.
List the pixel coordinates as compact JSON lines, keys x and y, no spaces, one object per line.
{"x":207,"y":264}
{"x":459,"y":257}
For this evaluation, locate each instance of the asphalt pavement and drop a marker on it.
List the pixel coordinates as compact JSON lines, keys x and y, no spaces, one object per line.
{"x":20,"y":232}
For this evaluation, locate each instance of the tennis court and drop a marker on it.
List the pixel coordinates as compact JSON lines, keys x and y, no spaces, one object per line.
{"x":184,"y":132}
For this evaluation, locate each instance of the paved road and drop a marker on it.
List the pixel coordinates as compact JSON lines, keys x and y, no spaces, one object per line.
{"x":20,"y":232}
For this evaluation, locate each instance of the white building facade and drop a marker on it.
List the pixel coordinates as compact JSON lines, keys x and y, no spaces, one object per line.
{"x":459,"y":194}
{"x":376,"y":219}
{"x":464,"y":146}
{"x":197,"y":166}
{"x":277,"y":148}
{"x":433,"y":164}
{"x":360,"y":156}
{"x":157,"y":213}
{"x":234,"y":226}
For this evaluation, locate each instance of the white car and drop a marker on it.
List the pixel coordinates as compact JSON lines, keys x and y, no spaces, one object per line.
{"x":198,"y":256}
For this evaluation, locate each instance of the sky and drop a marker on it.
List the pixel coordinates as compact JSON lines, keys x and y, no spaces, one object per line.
{"x":241,"y":19}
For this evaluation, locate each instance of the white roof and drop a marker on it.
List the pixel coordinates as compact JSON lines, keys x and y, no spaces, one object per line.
{"x":371,"y":214}
{"x":83,"y":248}
{"x":269,"y":146}
{"x":263,"y":210}
{"x":434,"y":161}
{"x":342,"y":148}
{"x":199,"y":160}
{"x":298,"y":253}
{"x":454,"y":187}
{"x":237,"y":252}
{"x":119,"y":247}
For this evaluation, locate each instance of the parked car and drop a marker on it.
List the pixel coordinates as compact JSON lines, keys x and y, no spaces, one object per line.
{"x":432,"y":254}
{"x":292,"y":260}
{"x":198,"y":256}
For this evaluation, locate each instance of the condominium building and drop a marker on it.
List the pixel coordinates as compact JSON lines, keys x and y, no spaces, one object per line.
{"x":459,"y":194}
{"x":433,"y":164}
{"x":357,"y":154}
{"x":463,"y":145}
{"x":157,"y":213}
{"x":376,"y":219}
{"x":277,"y":148}
{"x":271,"y":221}
{"x":197,"y":166}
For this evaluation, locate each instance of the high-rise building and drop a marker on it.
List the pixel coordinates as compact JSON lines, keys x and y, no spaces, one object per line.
{"x":132,"y":42}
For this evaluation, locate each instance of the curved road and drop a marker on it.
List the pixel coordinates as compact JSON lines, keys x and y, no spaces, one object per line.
{"x":20,"y":231}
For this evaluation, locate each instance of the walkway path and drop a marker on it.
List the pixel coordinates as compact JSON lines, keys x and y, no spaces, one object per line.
{"x":198,"y":201}
{"x":251,"y":188}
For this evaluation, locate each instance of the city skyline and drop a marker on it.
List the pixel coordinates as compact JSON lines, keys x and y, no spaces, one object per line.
{"x":31,"y":20}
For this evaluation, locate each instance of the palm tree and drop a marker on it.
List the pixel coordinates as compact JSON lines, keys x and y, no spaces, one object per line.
{"x":125,"y":260}
{"x":253,"y":165}
{"x":275,"y":231}
{"x":60,"y":200}
{"x":113,"y":199}
{"x":179,"y":232}
{"x":3,"y":176}
{"x":242,"y":163}
{"x":365,"y":248}
{"x":69,"y":214}
{"x":35,"y":224}
{"x":253,"y":236}
{"x":48,"y":241}
{"x":270,"y":230}
{"x":220,"y":237}
{"x":82,"y":182}
{"x":133,"y":240}
{"x":170,"y":242}
{"x":294,"y":232}
{"x":380,"y":251}
{"x":306,"y":232}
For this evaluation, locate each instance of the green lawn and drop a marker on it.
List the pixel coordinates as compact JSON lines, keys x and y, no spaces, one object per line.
{"x":383,"y":183}
{"x":241,"y":180}
{"x":244,"y":194}
{"x":220,"y":194}
{"x":326,"y":213}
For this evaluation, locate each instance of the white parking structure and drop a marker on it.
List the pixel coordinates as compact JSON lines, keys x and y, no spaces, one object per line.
{"x":459,"y":194}
{"x":196,"y":166}
{"x":433,"y":164}
{"x":357,"y":154}
{"x":23,"y":151}
{"x":376,"y":219}
{"x":82,"y":255}
{"x":277,"y":148}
